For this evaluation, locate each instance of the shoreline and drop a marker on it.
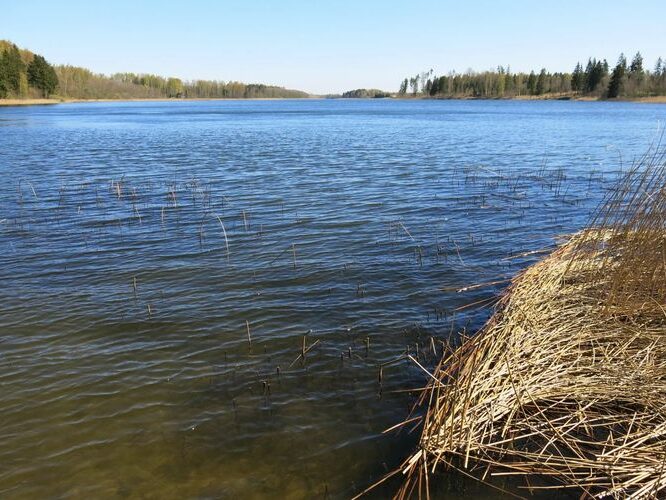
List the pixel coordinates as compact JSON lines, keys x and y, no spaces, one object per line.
{"x":661,"y":99}
{"x":64,"y":100}
{"x":547,"y":97}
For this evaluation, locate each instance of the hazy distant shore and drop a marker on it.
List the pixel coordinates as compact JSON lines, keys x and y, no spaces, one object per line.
{"x":37,"y":102}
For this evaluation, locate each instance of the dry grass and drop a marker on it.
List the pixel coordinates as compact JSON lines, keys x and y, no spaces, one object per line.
{"x":565,"y":387}
{"x":28,"y":102}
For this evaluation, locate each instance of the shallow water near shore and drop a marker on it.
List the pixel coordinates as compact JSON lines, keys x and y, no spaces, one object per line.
{"x":164,"y":265}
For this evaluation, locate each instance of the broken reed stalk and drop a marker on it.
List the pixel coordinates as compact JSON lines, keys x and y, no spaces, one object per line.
{"x":565,"y":386}
{"x":224,"y":232}
{"x":249,"y":337}
{"x":245,"y":223}
{"x":304,"y":351}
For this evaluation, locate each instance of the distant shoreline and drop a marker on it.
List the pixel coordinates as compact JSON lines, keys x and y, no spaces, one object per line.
{"x":41,"y":102}
{"x":661,"y":99}
{"x":548,"y":97}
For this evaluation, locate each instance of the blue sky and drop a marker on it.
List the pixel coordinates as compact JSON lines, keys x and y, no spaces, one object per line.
{"x":331,"y":46}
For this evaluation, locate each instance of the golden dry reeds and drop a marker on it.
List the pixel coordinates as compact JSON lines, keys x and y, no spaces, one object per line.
{"x":565,"y":386}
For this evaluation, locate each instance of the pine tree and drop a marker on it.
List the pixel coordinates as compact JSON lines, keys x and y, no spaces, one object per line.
{"x":636,"y":75}
{"x":617,"y":78}
{"x":588,"y":79}
{"x":434,"y":87}
{"x":3,"y":77}
{"x":541,"y":82}
{"x":403,"y":87}
{"x":13,"y":67}
{"x":532,"y":83}
{"x":595,"y":73}
{"x":42,"y":76}
{"x":636,"y":67}
{"x":577,"y":78}
{"x":428,"y":86}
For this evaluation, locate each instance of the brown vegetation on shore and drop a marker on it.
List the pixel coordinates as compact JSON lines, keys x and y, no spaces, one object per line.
{"x":565,"y":387}
{"x":34,"y":102}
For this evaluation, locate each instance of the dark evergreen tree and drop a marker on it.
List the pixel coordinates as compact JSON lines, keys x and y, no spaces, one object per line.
{"x":403,"y":87}
{"x":42,"y":76}
{"x":532,"y":83}
{"x":617,"y":78}
{"x":578,"y":79}
{"x":541,"y":82}
{"x":636,"y":67}
{"x":4,"y":87}
{"x":428,"y":86}
{"x":588,"y":75}
{"x":594,"y":75}
{"x":434,"y":87}
{"x":13,"y":69}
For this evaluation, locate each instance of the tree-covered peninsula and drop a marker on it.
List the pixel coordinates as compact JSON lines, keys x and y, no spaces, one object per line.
{"x":26,"y":75}
{"x":596,"y":79}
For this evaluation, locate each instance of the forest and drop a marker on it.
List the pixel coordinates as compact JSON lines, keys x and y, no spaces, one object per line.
{"x":24,"y":74}
{"x":596,"y":80}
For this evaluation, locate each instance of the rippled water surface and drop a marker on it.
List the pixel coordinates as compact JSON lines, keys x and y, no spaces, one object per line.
{"x":163,"y":266}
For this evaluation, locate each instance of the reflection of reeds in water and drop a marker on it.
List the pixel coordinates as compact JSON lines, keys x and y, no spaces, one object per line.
{"x":565,"y":386}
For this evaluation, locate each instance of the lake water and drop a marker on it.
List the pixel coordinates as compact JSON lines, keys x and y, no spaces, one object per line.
{"x":140,"y":241}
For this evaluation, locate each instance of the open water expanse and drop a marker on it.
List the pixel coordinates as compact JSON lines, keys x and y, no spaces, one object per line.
{"x":164,"y":265}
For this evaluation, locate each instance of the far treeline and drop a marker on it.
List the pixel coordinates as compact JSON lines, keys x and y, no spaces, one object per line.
{"x":24,"y":74}
{"x":365,"y":93}
{"x":596,"y":79}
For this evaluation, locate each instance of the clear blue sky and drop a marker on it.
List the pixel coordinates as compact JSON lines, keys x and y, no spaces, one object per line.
{"x":331,"y":46}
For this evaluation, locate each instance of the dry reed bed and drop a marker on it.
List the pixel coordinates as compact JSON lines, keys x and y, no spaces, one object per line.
{"x":565,"y":387}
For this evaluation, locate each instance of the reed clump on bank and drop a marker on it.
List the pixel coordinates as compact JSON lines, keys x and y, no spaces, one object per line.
{"x":565,"y":386}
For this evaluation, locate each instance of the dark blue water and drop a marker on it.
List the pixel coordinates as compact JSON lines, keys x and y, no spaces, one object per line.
{"x":139,"y":241}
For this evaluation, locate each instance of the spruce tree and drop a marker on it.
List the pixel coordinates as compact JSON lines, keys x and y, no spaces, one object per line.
{"x":589,"y":77}
{"x":541,"y":82}
{"x":594,"y":75}
{"x":617,"y":78}
{"x":434,"y":87}
{"x":636,"y":67}
{"x":42,"y":76}
{"x":577,"y":78}
{"x":532,"y":83}
{"x":403,"y":87}
{"x":13,"y":68}
{"x":3,"y":77}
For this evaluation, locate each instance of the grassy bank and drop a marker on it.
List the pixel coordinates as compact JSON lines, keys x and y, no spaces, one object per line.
{"x":28,"y":102}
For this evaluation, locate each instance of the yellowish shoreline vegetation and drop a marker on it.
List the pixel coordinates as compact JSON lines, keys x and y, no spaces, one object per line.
{"x":565,"y":386}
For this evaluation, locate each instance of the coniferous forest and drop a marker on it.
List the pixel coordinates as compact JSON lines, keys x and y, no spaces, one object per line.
{"x":596,"y":79}
{"x":24,"y":74}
